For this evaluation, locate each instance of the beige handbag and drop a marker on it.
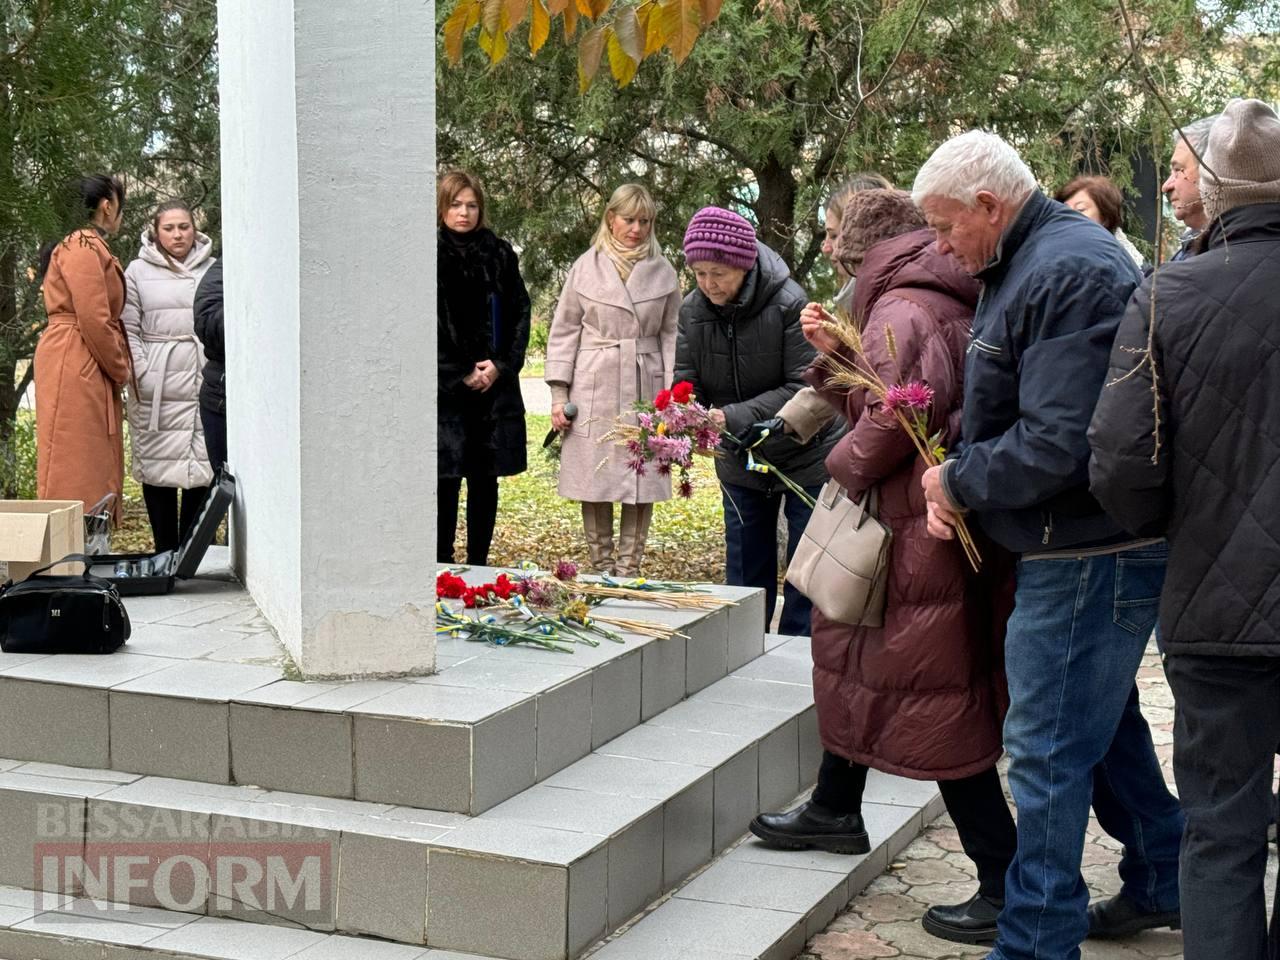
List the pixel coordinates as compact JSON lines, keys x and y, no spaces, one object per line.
{"x":842,"y":560}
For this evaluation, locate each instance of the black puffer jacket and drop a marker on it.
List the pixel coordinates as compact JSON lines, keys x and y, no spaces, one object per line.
{"x":483,"y":314}
{"x":1214,"y":487}
{"x":208,"y":323}
{"x":748,"y":358}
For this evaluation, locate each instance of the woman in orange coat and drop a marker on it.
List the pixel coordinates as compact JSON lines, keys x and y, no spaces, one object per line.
{"x":82,"y":359}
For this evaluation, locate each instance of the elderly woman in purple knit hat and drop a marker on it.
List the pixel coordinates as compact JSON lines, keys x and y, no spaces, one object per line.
{"x":741,"y":346}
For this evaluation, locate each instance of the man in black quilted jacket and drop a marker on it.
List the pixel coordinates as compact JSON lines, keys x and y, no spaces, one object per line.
{"x":1206,"y":474}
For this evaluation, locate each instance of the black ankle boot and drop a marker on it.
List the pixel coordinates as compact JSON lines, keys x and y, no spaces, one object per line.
{"x":973,"y":921}
{"x":1120,"y":917}
{"x":811,"y":827}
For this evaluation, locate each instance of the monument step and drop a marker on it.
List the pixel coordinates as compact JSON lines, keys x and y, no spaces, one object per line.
{"x":545,"y":874}
{"x":200,"y":693}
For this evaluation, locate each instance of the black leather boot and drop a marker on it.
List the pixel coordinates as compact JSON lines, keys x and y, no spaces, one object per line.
{"x":1120,"y":917}
{"x":811,"y":827}
{"x":973,"y":921}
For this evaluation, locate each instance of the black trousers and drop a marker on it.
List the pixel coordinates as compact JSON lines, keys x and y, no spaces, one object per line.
{"x":976,"y":804}
{"x":215,"y":435}
{"x":482,"y":514}
{"x":1226,"y":726}
{"x":168,"y":526}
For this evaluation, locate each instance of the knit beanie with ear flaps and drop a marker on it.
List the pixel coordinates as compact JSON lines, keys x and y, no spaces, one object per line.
{"x":716,"y":235}
{"x":1243,"y":154}
{"x":871,"y":216}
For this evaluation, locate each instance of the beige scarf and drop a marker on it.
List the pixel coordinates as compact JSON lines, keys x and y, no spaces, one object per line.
{"x":624,"y":258}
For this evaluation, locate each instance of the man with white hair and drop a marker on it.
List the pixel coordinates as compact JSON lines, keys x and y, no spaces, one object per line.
{"x":1055,"y":286}
{"x":1183,"y":184}
{"x":1203,"y":468}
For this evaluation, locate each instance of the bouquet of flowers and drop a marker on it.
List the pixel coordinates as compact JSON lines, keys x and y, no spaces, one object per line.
{"x":909,"y":402}
{"x":675,"y":428}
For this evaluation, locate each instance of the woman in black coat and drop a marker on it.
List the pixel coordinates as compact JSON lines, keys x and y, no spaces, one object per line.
{"x":483,"y":330}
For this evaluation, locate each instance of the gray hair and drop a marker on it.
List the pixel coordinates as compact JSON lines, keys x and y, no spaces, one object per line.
{"x":1197,"y":133}
{"x":969,"y":163}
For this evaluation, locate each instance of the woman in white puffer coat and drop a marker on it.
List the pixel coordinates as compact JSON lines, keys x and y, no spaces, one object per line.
{"x":164,"y":397}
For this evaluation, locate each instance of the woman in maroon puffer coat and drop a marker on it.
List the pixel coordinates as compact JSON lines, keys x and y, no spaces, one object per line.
{"x":922,"y":697}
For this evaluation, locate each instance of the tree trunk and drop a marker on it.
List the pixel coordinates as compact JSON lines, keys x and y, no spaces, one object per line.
{"x":776,"y":208}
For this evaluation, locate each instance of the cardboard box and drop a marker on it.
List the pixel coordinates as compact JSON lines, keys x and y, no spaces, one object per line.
{"x":37,"y":532}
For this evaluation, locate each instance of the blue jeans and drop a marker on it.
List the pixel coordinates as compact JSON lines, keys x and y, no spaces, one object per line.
{"x":1074,"y":734}
{"x":751,"y":549}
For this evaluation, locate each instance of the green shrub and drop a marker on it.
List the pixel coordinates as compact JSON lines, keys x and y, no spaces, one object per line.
{"x":18,"y":458}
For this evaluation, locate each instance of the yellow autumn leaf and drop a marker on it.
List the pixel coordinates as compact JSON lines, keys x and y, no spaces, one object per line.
{"x":710,"y":10}
{"x":599,"y":7}
{"x":539,"y":26}
{"x":589,"y":51}
{"x":570,"y":21}
{"x":515,"y":11}
{"x":492,"y":15}
{"x":681,"y":23}
{"x":584,"y":7}
{"x":649,"y":16}
{"x":455,"y":29}
{"x":555,"y":7}
{"x":626,"y":28}
{"x":621,"y":65}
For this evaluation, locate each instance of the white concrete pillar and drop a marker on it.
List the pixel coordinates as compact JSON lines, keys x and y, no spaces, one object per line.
{"x":328,"y":197}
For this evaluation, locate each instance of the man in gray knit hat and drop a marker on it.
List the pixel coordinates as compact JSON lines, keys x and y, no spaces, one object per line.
{"x":1186,"y":444}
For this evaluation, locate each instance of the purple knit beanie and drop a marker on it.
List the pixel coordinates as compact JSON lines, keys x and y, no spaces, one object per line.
{"x":717,"y":235}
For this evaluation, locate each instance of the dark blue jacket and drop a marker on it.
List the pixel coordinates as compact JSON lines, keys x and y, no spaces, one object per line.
{"x":1052,"y":299}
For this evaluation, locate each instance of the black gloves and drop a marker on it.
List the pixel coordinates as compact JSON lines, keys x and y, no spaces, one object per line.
{"x":755,"y":435}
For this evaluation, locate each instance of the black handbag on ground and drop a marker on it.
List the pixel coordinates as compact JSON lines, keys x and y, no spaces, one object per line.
{"x":60,"y":614}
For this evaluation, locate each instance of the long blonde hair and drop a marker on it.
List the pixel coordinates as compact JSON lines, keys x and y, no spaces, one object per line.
{"x":629,"y":200}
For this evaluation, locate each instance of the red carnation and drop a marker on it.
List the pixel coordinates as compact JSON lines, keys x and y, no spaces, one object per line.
{"x":450,"y":587}
{"x":682,"y":392}
{"x":503,"y":587}
{"x":662,"y":400}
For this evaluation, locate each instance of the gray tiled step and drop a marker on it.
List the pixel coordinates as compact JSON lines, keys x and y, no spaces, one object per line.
{"x":544,"y":874}
{"x":38,"y":926}
{"x":199,"y":693}
{"x":754,"y":903}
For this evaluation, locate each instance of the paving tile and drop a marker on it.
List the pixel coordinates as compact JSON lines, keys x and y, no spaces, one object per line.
{"x":115,"y":830}
{"x":496,"y":673}
{"x":504,"y":756}
{"x":287,"y":693}
{"x":336,"y":947}
{"x":518,"y":841}
{"x":57,"y":771}
{"x":62,"y":786}
{"x":737,"y":797}
{"x":635,"y":868}
{"x":884,"y":788}
{"x":34,"y":826}
{"x":652,"y":742}
{"x":697,"y":930}
{"x":588,"y":900}
{"x":418,"y":815}
{"x":810,"y":748}
{"x":348,"y":696}
{"x":260,"y":648}
{"x":560,"y":808}
{"x":9,"y":661}
{"x":288,"y":749}
{"x":203,"y":680}
{"x":892,"y":824}
{"x":105,"y":922}
{"x":688,"y":831}
{"x":499,"y":908}
{"x":615,"y":697}
{"x":382,"y":887}
{"x":707,"y":651}
{"x":799,"y":647}
{"x":54,"y":723}
{"x":91,"y":671}
{"x":754,"y":851}
{"x":697,"y":715}
{"x":412,"y":763}
{"x":779,"y":766}
{"x":778,"y":669}
{"x":270,"y":872}
{"x":662,"y":666}
{"x":204,"y":613}
{"x":564,"y":726}
{"x":183,"y":794}
{"x":176,"y":643}
{"x":232,"y":940}
{"x":746,"y":639}
{"x":759,"y":693}
{"x":627,"y":776}
{"x":763,"y":886}
{"x":170,"y":736}
{"x":154,"y":609}
{"x":447,"y":704}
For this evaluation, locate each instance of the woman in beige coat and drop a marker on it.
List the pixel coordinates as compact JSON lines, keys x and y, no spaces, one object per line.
{"x":612,"y":343}
{"x":164,"y":398}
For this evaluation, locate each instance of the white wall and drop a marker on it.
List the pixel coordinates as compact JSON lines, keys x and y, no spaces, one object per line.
{"x":338,"y":518}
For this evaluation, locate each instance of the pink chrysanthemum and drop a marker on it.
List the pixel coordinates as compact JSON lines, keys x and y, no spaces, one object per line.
{"x":566,"y":570}
{"x":914,"y":396}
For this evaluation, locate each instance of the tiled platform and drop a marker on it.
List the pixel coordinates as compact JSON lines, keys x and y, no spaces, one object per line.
{"x":200,"y":693}
{"x":521,"y":804}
